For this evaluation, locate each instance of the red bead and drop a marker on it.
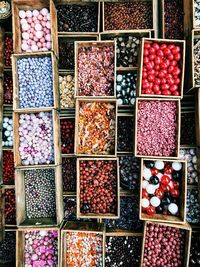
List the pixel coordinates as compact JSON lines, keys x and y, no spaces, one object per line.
{"x":159,"y":192}
{"x":177,"y":57}
{"x":154,"y":171}
{"x":147,"y":45}
{"x":165,"y":180}
{"x":175,"y":193}
{"x":145,"y":194}
{"x":146,"y":52}
{"x":168,"y":170}
{"x":156,"y":46}
{"x":163,"y":46}
{"x":170,"y":56}
{"x":176,"y":93}
{"x":173,"y":88}
{"x":166,"y":92}
{"x":152,"y":50}
{"x":167,"y":51}
{"x":150,"y":210}
{"x":176,"y":184}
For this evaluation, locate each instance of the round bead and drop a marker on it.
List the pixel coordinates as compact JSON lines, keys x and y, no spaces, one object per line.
{"x":145,"y":183}
{"x":147,"y":174}
{"x":145,"y":202}
{"x":155,"y":201}
{"x":173,"y":208}
{"x":150,"y":189}
{"x":177,"y":166}
{"x":159,"y":165}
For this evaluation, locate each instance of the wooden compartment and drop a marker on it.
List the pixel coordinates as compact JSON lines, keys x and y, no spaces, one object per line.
{"x":4,"y":188}
{"x":140,"y":60}
{"x":183,"y":197}
{"x":78,"y":191}
{"x":177,"y":130}
{"x":192,"y":80}
{"x":84,"y":228}
{"x":98,"y":44}
{"x":56,"y":138}
{"x":16,"y":93}
{"x":18,"y":5}
{"x":22,"y":217}
{"x":20,"y":243}
{"x":186,"y":227}
{"x":77,"y":139}
{"x":192,"y":8}
{"x":188,"y":139}
{"x":11,"y":258}
{"x":153,"y":12}
{"x":71,"y":159}
{"x":71,"y":137}
{"x":5,"y":113}
{"x":2,"y":232}
{"x":82,"y":3}
{"x":197,"y":116}
{"x":134,"y":33}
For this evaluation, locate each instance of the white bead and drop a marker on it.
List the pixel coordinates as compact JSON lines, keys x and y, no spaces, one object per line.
{"x":155,"y":201}
{"x":29,"y":13}
{"x":177,"y":166}
{"x":145,"y":202}
{"x":159,"y":175}
{"x":35,"y":13}
{"x":159,"y":165}
{"x":173,"y":208}
{"x":146,"y":174}
{"x":145,"y":183}
{"x":22,"y":14}
{"x":150,"y":189}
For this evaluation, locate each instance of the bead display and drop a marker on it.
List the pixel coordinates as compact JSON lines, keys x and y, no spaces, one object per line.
{"x":96,"y":128}
{"x":129,"y":172}
{"x":96,"y":65}
{"x":67,"y":127}
{"x":69,"y":174}
{"x":35,"y":30}
{"x":35,"y":82}
{"x":125,"y":126}
{"x":77,"y":18}
{"x":69,"y":208}
{"x":8,"y":50}
{"x":41,"y":248}
{"x":129,"y":215}
{"x":191,"y":157}
{"x":161,"y":72}
{"x":10,"y":206}
{"x":193,"y":207}
{"x":126,"y":88}
{"x":123,"y":251}
{"x":84,"y":249}
{"x":196,"y":57}
{"x":7,"y":90}
{"x":162,"y":193}
{"x":7,"y":132}
{"x":66,"y":55}
{"x":7,"y":247}
{"x":118,"y":16}
{"x":36,"y":138}
{"x":8,"y":168}
{"x":98,"y":186}
{"x":196,"y":13}
{"x":157,"y":128}
{"x":67,"y":91}
{"x":40,"y":193}
{"x":195,"y":250}
{"x":188,"y":133}
{"x":166,"y":248}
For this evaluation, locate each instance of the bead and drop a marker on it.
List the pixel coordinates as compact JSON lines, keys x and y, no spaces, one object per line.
{"x":151,"y":189}
{"x":145,"y":203}
{"x":125,"y":126}
{"x":67,"y":127}
{"x":173,"y":208}
{"x":147,"y":174}
{"x":177,"y":166}
{"x":155,"y":201}
{"x":159,"y":165}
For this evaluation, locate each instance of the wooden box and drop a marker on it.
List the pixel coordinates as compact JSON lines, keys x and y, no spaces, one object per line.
{"x":185,"y":227}
{"x":194,"y":36}
{"x":192,"y":10}
{"x":73,"y":162}
{"x":197,"y":116}
{"x":192,"y":115}
{"x":22,"y":218}
{"x":178,"y":126}
{"x":78,"y":191}
{"x":16,"y":93}
{"x":84,"y":228}
{"x":77,"y":139}
{"x":153,"y":11}
{"x":87,"y":44}
{"x":10,"y":260}
{"x":2,"y":232}
{"x":5,"y":113}
{"x":82,"y":3}
{"x":135,"y":33}
{"x":183,"y":197}
{"x":72,"y":119}
{"x":4,"y":188}
{"x":56,"y":138}
{"x":18,"y":5}
{"x":20,"y":243}
{"x":140,"y":60}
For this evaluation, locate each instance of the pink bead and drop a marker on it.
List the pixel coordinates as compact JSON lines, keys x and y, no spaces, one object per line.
{"x":39,"y":44}
{"x":48,"y":31}
{"x":48,"y":45}
{"x":43,"y":23}
{"x":35,"y":39}
{"x":42,"y":40}
{"x":31,"y":36}
{"x":40,"y":17}
{"x":29,"y":20}
{"x":29,"y":42}
{"x":44,"y":18}
{"x":33,"y":25}
{"x":32,"y":42}
{"x":48,"y":25}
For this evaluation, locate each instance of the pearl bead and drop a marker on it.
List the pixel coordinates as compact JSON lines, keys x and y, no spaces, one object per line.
{"x":145,"y":183}
{"x":177,"y":166}
{"x":146,"y":174}
{"x":150,"y":189}
{"x":159,"y":165}
{"x":145,"y":202}
{"x":155,"y":201}
{"x":173,"y":208}
{"x":22,"y":14}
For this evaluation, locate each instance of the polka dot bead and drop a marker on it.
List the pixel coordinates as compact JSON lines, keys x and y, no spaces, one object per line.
{"x":36,"y":138}
{"x":36,"y":30}
{"x":7,"y":132}
{"x":35,"y":82}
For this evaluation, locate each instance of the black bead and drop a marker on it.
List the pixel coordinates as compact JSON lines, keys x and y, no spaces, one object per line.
{"x":166,"y":201}
{"x":154,"y":180}
{"x":149,"y":164}
{"x":85,"y":207}
{"x":159,"y":209}
{"x":176,"y":175}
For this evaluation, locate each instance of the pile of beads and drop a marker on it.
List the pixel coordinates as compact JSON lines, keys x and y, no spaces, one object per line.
{"x":122,"y":251}
{"x":7,"y":89}
{"x":166,"y":248}
{"x":96,"y":127}
{"x":188,"y":126}
{"x":7,"y":247}
{"x":35,"y":82}
{"x":129,"y":172}
{"x":157,"y":128}
{"x":67,"y":91}
{"x":161,"y":73}
{"x":77,"y":18}
{"x":98,"y":186}
{"x":67,"y":127}
{"x":40,"y":193}
{"x":8,"y":51}
{"x":189,"y":154}
{"x":84,"y":249}
{"x":196,"y":47}
{"x":96,"y":71}
{"x":36,"y":30}
{"x":195,"y":250}
{"x":69,"y":208}
{"x":66,"y":55}
{"x":7,"y":132}
{"x":36,"y":138}
{"x":193,"y":207}
{"x":69,"y":174}
{"x":196,"y":13}
{"x":125,"y":126}
{"x":126,"y":88}
{"x":161,"y":187}
{"x":41,"y":248}
{"x":129,"y":215}
{"x":10,"y":206}
{"x":8,"y":167}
